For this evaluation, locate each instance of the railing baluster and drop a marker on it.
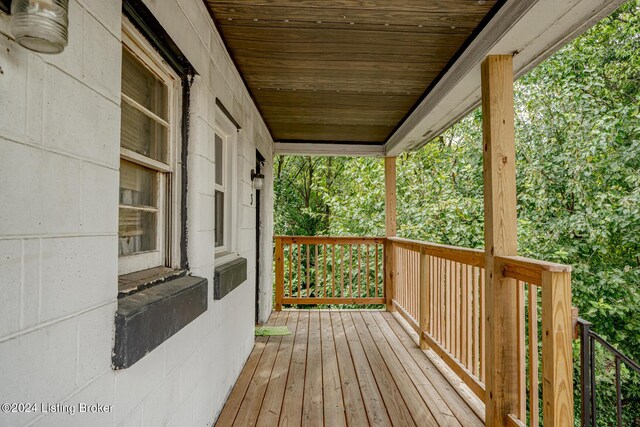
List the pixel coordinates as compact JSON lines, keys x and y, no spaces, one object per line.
{"x":448,"y":304}
{"x":456,"y":310}
{"x":324,"y":271}
{"x":464,"y":312}
{"x":618,"y":392}
{"x":342,"y":270}
{"x":482,"y":326}
{"x":333,"y":271}
{"x":534,"y":408}
{"x":308,"y":270}
{"x":594,"y":414}
{"x":585,"y":370}
{"x":475,"y":320}
{"x":367,"y":272}
{"x":377,"y":293}
{"x":359,"y":270}
{"x":520,"y":324}
{"x":351,"y":270}
{"x":299,"y":276}
{"x":290,"y":293}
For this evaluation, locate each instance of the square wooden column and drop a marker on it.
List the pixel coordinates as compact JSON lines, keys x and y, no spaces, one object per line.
{"x":390,"y":228}
{"x":390,"y":195}
{"x":500,"y":237}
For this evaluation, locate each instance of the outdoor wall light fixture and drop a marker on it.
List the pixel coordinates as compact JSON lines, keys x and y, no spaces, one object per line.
{"x":258,"y":179}
{"x":40,"y":25}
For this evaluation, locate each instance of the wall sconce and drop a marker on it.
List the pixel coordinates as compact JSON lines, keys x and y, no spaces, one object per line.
{"x":258,"y":180}
{"x":40,"y":25}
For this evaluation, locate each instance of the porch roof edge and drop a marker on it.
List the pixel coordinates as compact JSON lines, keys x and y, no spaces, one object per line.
{"x":530,"y":30}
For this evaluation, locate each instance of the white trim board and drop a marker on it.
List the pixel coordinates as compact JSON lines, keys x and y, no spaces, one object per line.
{"x":319,"y":149}
{"x":531,"y":30}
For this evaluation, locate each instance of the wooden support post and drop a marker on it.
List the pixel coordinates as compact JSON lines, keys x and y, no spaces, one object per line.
{"x":390,"y":195}
{"x":424,"y":303}
{"x":557,"y":356}
{"x":279,"y":273}
{"x":500,"y":225}
{"x":390,"y":226}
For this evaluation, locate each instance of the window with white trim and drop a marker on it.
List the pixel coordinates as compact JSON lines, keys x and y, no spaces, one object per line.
{"x":220,"y":192}
{"x":148,"y":150}
{"x":225,"y":182}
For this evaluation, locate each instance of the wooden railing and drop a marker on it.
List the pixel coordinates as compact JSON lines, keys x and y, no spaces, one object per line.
{"x":449,"y":283}
{"x":329,"y":270}
{"x":440,"y":291}
{"x":545,"y":291}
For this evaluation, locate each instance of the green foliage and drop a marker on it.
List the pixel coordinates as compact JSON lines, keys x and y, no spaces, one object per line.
{"x":578,"y":184}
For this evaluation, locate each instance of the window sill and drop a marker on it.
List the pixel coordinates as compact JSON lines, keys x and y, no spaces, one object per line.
{"x":223,"y":257}
{"x":230,"y":272}
{"x":134,"y":282}
{"x":147,"y":318}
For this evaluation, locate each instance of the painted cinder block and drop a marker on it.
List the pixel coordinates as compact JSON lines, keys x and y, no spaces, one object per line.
{"x":77,"y":273}
{"x":69,"y":61}
{"x":13,"y":84}
{"x":183,"y":416}
{"x":101,"y":58}
{"x":180,"y":345}
{"x":98,"y":198}
{"x":99,"y":392}
{"x":55,"y":209}
{"x":108,"y":13}
{"x":10,"y":285}
{"x":134,"y":384}
{"x":87,"y":127}
{"x":95,"y":341}
{"x":62,"y":232}
{"x":163,"y":402}
{"x":27,"y":363}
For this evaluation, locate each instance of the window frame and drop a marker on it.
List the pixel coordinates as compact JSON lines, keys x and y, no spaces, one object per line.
{"x":228,"y":132}
{"x":168,"y":192}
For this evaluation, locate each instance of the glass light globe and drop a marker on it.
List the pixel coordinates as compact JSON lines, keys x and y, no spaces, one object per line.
{"x":40,"y":25}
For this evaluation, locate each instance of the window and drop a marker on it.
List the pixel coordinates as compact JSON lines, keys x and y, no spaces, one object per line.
{"x":148,"y":151}
{"x":225,"y":141}
{"x":220,"y":190}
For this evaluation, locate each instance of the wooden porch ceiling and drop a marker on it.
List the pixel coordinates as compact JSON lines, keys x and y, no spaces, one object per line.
{"x":345,"y":70}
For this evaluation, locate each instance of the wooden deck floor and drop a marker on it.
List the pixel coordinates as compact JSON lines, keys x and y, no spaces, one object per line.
{"x":339,"y":368}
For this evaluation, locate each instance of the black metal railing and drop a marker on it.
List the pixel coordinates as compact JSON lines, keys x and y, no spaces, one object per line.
{"x":588,"y":340}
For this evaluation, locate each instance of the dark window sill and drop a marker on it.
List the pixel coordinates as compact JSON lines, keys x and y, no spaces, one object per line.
{"x":229,"y":276}
{"x":147,"y":318}
{"x":134,"y":282}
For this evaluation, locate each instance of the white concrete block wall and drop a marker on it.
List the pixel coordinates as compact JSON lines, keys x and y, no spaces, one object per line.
{"x":59,"y":159}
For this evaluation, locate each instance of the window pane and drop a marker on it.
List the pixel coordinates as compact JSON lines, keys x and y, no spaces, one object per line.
{"x":143,"y":86}
{"x":219,"y":228}
{"x":142,"y":134}
{"x":137,"y":185}
{"x":219,"y":160}
{"x":137,"y":231}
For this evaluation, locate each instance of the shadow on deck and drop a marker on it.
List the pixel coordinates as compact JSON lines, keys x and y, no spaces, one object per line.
{"x":339,"y":368}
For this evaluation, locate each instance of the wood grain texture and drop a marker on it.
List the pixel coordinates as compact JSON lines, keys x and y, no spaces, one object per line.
{"x":390,"y":195}
{"x":502,"y":305}
{"x":557,"y":357}
{"x":328,"y":49}
{"x":370,"y":373}
{"x":279,"y":284}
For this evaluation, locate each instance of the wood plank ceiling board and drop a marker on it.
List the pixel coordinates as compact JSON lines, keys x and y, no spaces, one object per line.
{"x":343,"y":71}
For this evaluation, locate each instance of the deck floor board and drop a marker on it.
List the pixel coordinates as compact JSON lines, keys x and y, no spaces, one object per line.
{"x":344,"y":368}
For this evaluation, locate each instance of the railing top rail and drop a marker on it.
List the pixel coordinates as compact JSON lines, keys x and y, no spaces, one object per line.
{"x":631,"y":363}
{"x":331,"y":239}
{"x":468,"y":256}
{"x":527,"y":269}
